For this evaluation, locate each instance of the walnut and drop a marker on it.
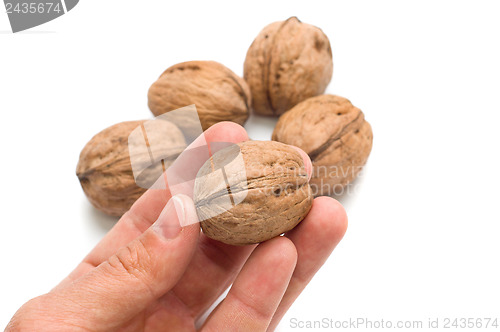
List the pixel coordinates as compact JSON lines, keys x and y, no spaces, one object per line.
{"x":288,"y":62}
{"x":334,"y":134}
{"x":263,"y":192}
{"x":105,"y":169}
{"x":218,"y":93}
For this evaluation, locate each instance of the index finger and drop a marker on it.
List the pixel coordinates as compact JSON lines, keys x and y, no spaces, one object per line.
{"x":148,"y":207}
{"x":150,"y":204}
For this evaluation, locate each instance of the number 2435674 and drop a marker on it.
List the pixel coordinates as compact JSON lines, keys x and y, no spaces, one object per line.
{"x":33,"y":8}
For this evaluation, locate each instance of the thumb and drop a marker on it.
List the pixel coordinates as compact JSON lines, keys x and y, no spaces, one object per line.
{"x":141,"y":272}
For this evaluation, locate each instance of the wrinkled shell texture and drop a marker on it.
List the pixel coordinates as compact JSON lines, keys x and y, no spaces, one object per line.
{"x":105,"y":170}
{"x":276,"y":192}
{"x":334,"y":134}
{"x":218,"y":93}
{"x":288,"y":62}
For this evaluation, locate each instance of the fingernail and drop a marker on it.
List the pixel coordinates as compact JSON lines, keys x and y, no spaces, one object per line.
{"x":171,"y":219}
{"x":307,"y":161}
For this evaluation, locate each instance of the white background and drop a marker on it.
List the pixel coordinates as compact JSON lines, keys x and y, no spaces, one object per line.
{"x":424,"y":225}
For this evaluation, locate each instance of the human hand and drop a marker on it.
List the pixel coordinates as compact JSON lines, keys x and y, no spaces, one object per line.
{"x":149,"y":274}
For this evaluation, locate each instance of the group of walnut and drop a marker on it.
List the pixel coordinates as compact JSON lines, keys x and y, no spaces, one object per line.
{"x":286,"y":71}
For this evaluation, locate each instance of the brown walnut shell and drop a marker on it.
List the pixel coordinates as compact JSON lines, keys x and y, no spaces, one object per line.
{"x":268,"y":197}
{"x":334,"y":134}
{"x":105,"y":170}
{"x":218,"y":93}
{"x":288,"y":62}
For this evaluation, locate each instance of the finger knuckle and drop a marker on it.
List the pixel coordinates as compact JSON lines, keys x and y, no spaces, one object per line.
{"x":133,"y":260}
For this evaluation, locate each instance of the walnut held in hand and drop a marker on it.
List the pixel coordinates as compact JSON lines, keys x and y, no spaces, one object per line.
{"x":334,"y":134}
{"x":218,"y":93}
{"x":105,"y":170}
{"x":288,"y":62}
{"x":263,"y":192}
